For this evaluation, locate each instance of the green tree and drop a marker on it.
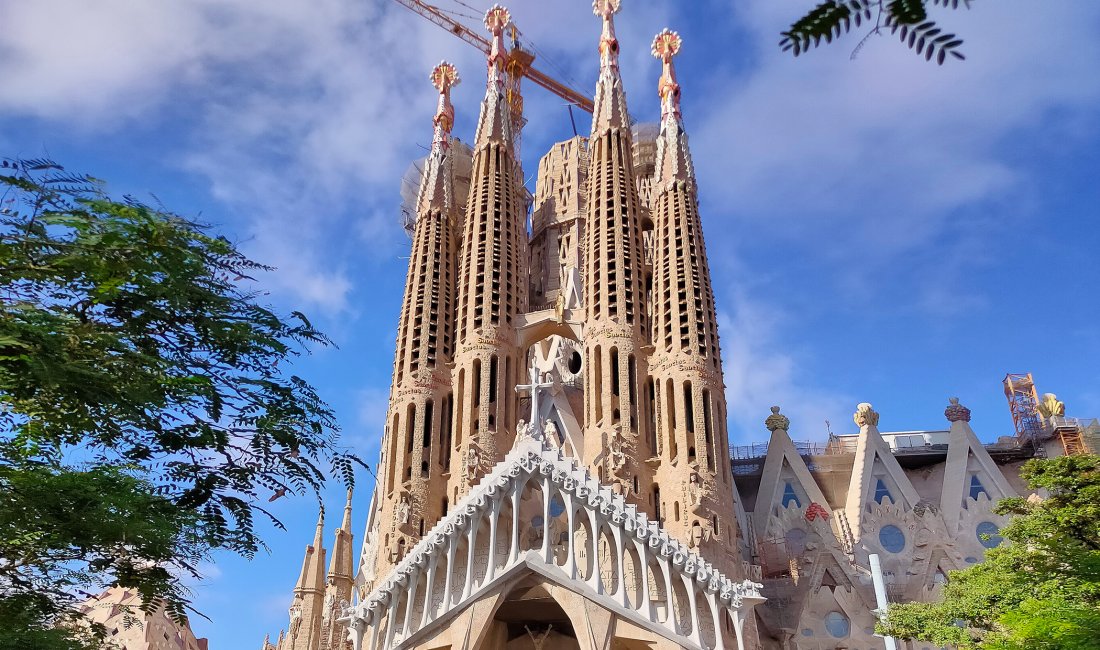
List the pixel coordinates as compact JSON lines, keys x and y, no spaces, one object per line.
{"x":907,"y":19}
{"x":146,"y":408}
{"x":1040,"y":591}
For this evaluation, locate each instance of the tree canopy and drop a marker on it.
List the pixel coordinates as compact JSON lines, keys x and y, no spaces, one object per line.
{"x":907,"y":19}
{"x":1039,"y":592}
{"x":147,"y":411}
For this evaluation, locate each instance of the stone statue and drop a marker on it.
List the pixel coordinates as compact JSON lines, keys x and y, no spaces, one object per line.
{"x":522,"y":430}
{"x":550,"y":434}
{"x":559,"y":305}
{"x":1051,"y":407}
{"x":956,"y":412}
{"x":694,"y":489}
{"x":777,"y":421}
{"x":473,"y":464}
{"x":616,"y":458}
{"x":865,"y":415}
{"x":402,"y":511}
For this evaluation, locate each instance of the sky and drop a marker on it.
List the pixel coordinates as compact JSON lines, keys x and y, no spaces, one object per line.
{"x":879,"y":228}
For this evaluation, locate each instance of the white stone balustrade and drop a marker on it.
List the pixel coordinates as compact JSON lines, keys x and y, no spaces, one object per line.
{"x":590,"y":540}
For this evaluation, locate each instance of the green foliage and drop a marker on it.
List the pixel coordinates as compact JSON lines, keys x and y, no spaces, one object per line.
{"x":1041,"y":591}
{"x":908,"y":19}
{"x":34,"y":622}
{"x":145,"y":406}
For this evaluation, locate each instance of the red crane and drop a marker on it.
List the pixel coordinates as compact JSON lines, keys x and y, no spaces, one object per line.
{"x":517,"y":67}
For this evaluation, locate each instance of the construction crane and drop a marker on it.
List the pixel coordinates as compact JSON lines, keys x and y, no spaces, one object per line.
{"x":517,"y":67}
{"x":1033,"y":424}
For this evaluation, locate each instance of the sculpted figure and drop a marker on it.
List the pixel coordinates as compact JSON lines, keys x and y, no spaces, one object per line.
{"x":473,"y":464}
{"x":616,"y":453}
{"x":550,"y":434}
{"x":694,"y":489}
{"x":402,"y":511}
{"x":865,"y":415}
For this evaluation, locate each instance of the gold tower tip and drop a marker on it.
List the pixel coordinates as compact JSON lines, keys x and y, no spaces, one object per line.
{"x":496,"y":19}
{"x":606,"y":8}
{"x":666,"y":44}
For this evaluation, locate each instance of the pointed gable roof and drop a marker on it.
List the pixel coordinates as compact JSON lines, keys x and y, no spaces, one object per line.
{"x":874,"y":462}
{"x":495,"y":121}
{"x":609,"y":105}
{"x":782,"y":454}
{"x":966,"y":457}
{"x":533,"y":462}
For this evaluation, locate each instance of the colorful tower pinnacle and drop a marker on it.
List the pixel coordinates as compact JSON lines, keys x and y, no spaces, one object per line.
{"x":686,"y":364}
{"x":417,"y":451}
{"x":492,"y":289}
{"x":616,"y":415}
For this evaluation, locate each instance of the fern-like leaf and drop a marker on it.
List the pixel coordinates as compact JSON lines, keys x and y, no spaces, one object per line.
{"x":827,"y":21}
{"x":928,"y":40}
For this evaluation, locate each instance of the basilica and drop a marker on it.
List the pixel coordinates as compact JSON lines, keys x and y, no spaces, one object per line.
{"x":556,"y":470}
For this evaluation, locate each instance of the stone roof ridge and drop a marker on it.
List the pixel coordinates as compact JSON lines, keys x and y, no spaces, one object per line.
{"x":535,"y":457}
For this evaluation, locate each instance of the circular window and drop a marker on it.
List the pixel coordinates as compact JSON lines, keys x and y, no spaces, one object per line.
{"x":807,"y":632}
{"x":837,"y":624}
{"x":575,"y":362}
{"x":892,"y":539}
{"x":971,"y":560}
{"x":988,"y":534}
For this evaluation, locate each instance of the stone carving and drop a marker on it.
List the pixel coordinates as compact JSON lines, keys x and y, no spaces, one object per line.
{"x":401,"y":513}
{"x":956,"y":412}
{"x":472,"y":467}
{"x":1050,"y":406}
{"x":865,"y":415}
{"x":777,"y":421}
{"x":616,"y":455}
{"x":550,"y":434}
{"x":816,"y":510}
{"x":693,"y":490}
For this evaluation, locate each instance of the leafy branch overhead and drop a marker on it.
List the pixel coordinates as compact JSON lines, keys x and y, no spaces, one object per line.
{"x":907,"y":19}
{"x":147,"y":408}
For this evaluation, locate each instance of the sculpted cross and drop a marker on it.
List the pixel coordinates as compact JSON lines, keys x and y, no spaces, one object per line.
{"x":534,"y":387}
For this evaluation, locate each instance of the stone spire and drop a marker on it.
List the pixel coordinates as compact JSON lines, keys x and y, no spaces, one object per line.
{"x":339,"y":586}
{"x":307,"y":607}
{"x":416,"y":451}
{"x":686,"y":364}
{"x":673,"y":157}
{"x":617,"y":395}
{"x":609,"y":106}
{"x":495,"y":122}
{"x":437,"y":186}
{"x":492,"y":287}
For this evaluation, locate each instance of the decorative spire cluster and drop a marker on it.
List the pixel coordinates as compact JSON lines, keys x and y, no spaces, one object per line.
{"x":665,"y":46}
{"x":436,"y":189}
{"x":609,"y":105}
{"x":444,"y":77}
{"x":673,"y":156}
{"x":495,"y":123}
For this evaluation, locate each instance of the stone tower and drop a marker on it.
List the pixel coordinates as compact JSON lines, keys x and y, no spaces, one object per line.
{"x":542,"y":515}
{"x":417,"y":446}
{"x":616,"y":428}
{"x":319,"y":599}
{"x":492,"y":286}
{"x":686,"y":365}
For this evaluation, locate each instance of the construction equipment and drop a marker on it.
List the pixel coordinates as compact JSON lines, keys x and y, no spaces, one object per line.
{"x":1023,"y":403}
{"x":517,"y":67}
{"x":1034,"y":426}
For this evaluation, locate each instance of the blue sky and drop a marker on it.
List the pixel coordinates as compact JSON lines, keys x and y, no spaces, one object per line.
{"x":880,"y":229}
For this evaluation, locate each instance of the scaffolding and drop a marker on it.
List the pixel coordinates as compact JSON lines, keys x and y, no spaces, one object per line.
{"x":1023,"y":404}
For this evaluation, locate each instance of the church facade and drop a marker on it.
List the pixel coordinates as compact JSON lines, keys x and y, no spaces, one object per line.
{"x":555,"y":468}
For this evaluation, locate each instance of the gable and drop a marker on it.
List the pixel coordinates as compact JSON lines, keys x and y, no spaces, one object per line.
{"x":597,"y":546}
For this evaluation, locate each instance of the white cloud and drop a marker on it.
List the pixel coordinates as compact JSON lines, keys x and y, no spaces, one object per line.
{"x":759,"y":374}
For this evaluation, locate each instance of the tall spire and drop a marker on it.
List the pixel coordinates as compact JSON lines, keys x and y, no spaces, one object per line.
{"x":609,"y":106}
{"x":495,"y":123}
{"x":313,"y":566}
{"x":673,"y":157}
{"x":437,"y":186}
